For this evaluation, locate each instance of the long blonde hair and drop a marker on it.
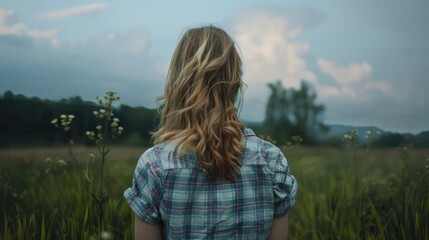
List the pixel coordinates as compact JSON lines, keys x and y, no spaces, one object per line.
{"x":198,"y":112}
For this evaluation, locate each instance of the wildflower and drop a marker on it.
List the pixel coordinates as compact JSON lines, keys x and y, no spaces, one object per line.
{"x":62,"y":162}
{"x":354,"y":134}
{"x":368,"y":134}
{"x":63,"y":116}
{"x":71,"y":116}
{"x":106,"y":235}
{"x":112,"y":97}
{"x":120,"y":129}
{"x":102,"y":111}
{"x":98,"y":127}
{"x":90,"y":134}
{"x":296,"y":138}
{"x":54,"y":121}
{"x":95,"y":113}
{"x":116,"y":119}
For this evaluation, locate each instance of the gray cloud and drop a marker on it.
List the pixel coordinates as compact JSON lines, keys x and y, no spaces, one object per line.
{"x":87,"y":69}
{"x":395,"y":43}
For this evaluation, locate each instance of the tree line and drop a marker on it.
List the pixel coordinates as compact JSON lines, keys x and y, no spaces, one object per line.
{"x":291,"y":114}
{"x":27,"y":121}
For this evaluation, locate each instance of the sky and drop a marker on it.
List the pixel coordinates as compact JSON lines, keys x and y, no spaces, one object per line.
{"x":367,"y":60}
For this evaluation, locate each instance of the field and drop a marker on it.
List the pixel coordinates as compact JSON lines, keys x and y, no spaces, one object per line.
{"x":343,"y":193}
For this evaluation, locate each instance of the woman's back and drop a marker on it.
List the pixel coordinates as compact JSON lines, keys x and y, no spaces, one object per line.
{"x":172,"y":189}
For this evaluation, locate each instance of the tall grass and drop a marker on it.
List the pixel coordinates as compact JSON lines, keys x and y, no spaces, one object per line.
{"x":386,"y":199}
{"x":40,"y":204}
{"x":392,"y":201}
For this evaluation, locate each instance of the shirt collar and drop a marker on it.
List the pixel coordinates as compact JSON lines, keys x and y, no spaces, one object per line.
{"x":248,"y":132}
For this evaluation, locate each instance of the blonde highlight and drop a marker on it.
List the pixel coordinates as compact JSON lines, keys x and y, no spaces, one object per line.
{"x":198,"y":113}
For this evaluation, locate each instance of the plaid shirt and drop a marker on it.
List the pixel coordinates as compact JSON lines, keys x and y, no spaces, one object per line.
{"x":172,"y":190}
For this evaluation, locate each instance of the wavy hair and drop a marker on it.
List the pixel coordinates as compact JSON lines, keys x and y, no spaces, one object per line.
{"x":198,"y":113}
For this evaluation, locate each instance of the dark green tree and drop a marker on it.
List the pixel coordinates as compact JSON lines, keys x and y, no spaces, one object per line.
{"x":277,"y":119}
{"x":292,"y":112}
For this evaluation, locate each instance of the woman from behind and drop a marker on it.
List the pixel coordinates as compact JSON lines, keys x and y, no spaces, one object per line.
{"x":209,"y":177}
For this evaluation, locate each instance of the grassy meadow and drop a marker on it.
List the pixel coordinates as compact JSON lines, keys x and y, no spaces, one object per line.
{"x":355,"y":193}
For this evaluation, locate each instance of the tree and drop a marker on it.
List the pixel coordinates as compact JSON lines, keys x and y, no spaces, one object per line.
{"x":293,"y":112}
{"x":277,"y":112}
{"x":8,"y":95}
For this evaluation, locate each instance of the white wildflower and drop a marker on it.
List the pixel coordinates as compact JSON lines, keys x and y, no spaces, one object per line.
{"x":62,"y":162}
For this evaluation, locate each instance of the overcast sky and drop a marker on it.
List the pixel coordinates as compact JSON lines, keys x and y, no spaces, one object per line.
{"x":368,"y":60}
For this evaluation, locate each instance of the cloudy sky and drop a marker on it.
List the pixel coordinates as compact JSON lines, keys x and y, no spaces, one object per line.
{"x":368,"y":60}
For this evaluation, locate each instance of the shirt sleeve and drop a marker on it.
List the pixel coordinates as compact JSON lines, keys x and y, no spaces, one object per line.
{"x":145,"y":193}
{"x":285,"y":186}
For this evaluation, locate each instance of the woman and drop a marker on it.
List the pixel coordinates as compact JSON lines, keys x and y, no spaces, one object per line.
{"x":209,"y":177}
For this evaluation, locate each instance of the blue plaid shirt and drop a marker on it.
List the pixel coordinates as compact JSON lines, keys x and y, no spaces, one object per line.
{"x":172,"y":190}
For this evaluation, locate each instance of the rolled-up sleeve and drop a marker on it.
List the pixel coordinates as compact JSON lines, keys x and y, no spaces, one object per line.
{"x":285,"y":185}
{"x":145,"y":193}
{"x":284,"y":189}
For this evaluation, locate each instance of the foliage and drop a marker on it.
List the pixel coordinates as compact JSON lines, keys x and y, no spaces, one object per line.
{"x":394,"y":139}
{"x":352,"y":193}
{"x":103,"y":135}
{"x":361,"y":196}
{"x":25,"y":121}
{"x":293,"y":112}
{"x":41,"y":204}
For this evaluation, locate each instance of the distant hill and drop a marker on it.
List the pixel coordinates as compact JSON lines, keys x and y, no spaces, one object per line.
{"x":336,"y":133}
{"x":339,"y":130}
{"x":386,"y":138}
